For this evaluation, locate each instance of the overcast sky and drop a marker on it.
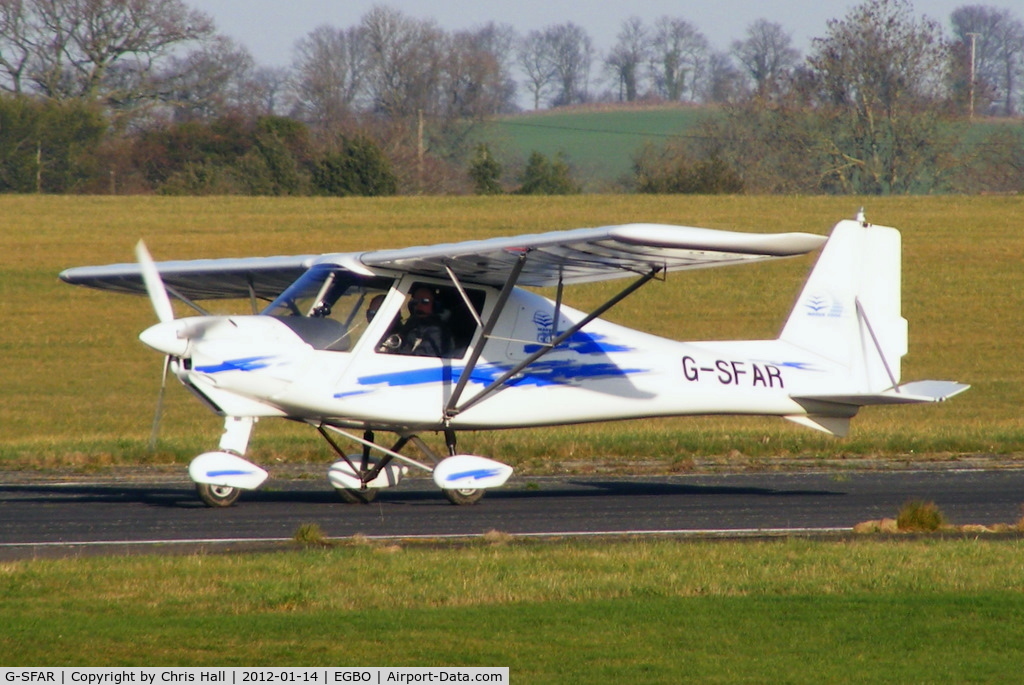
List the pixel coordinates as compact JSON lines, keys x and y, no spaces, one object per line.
{"x":269,"y":28}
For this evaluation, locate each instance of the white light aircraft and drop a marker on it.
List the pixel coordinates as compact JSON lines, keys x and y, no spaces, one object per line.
{"x":479,"y":352}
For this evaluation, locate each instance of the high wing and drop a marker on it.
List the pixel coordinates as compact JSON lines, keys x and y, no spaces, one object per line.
{"x":200,"y":279}
{"x":573,"y":256}
{"x":592,"y":254}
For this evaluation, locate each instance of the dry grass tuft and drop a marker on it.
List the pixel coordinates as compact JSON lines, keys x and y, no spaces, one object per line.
{"x":920,"y":516}
{"x":496,"y":537}
{"x":311,"y":535}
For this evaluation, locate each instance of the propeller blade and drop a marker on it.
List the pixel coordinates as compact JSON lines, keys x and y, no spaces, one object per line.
{"x":158,"y":415}
{"x":154,"y":284}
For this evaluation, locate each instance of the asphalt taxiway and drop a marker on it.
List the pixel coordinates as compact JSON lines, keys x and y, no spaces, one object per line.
{"x":55,"y":516}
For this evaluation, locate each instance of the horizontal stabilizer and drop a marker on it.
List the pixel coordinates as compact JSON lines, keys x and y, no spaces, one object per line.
{"x":909,"y":393}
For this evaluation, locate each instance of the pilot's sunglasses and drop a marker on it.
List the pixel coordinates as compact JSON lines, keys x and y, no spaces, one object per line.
{"x":423,"y":300}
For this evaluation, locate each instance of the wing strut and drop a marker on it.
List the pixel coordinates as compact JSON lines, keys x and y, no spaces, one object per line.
{"x":190,"y":303}
{"x":451,"y":410}
{"x":464,"y":295}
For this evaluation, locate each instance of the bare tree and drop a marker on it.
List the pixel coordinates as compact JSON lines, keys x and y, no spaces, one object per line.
{"x":679,"y":57}
{"x":628,"y":57}
{"x":723,"y":82}
{"x":405,"y":62}
{"x":537,"y":63}
{"x":328,"y":69}
{"x":767,"y":55}
{"x":16,"y":44}
{"x":880,"y":73}
{"x":266,"y":91}
{"x":69,"y":48}
{"x":475,"y":83}
{"x":500,"y":41}
{"x":997,"y":39}
{"x":572,"y":54}
{"x":209,"y":82}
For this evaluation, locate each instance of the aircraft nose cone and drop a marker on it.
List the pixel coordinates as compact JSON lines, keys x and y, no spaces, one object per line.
{"x":163,"y":337}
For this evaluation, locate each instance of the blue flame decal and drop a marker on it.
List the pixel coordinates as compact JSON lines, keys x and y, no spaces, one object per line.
{"x":539,"y":375}
{"x":476,"y":474}
{"x":583,"y":343}
{"x":228,"y":472}
{"x":243,"y":364}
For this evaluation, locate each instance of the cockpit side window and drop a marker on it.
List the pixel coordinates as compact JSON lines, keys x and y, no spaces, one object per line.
{"x":437,"y":323}
{"x":329,"y":307}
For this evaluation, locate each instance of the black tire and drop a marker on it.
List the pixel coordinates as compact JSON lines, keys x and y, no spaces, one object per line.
{"x":217,"y":495}
{"x":350,"y":496}
{"x":464,"y":496}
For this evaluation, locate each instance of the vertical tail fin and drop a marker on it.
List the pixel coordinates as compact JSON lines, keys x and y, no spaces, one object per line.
{"x":849,"y":310}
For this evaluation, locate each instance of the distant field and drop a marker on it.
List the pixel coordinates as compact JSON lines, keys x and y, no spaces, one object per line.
{"x":79,"y":388}
{"x":599,"y":143}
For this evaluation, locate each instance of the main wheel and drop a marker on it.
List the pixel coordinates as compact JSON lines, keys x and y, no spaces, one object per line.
{"x":217,"y":495}
{"x":357,"y":496}
{"x":464,"y":496}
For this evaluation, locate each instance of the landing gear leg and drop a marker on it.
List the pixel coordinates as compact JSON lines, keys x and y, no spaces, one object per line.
{"x":463,"y":496}
{"x":235,"y":440}
{"x":360,"y":470}
{"x":346,"y":474}
{"x":363,"y":495}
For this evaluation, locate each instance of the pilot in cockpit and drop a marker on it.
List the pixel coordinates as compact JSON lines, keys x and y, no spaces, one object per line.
{"x":424,"y":333}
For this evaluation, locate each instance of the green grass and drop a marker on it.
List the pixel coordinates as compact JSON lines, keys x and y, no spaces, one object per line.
{"x":666,"y":611}
{"x":79,"y":388}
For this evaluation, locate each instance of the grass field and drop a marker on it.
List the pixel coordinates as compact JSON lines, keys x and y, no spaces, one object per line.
{"x":80,"y":388}
{"x":560,"y":612}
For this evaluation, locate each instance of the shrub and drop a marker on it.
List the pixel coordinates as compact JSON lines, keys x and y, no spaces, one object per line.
{"x":485,"y":171}
{"x":358,"y":168}
{"x":544,"y":177}
{"x":673,"y":170}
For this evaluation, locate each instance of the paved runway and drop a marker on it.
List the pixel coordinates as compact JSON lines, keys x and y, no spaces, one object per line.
{"x":50,"y":515}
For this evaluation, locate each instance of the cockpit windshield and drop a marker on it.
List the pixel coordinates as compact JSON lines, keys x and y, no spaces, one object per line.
{"x":329,"y":307}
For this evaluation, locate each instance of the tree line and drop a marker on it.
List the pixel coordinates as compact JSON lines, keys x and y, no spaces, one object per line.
{"x":146,"y":96}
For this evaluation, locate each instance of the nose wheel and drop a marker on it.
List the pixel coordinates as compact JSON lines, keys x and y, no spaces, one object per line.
{"x":464,"y":496}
